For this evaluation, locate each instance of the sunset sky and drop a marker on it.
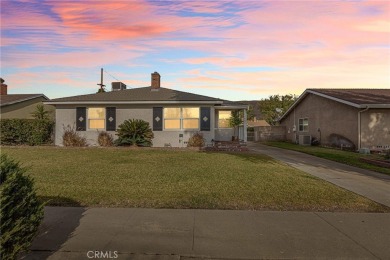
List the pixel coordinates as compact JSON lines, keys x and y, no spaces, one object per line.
{"x":236,"y":50}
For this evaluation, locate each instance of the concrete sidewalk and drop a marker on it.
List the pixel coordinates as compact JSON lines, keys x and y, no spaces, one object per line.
{"x":70,"y":233}
{"x":370,"y":184}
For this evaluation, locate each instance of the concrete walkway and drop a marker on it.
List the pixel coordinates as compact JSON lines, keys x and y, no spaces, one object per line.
{"x":76,"y":233}
{"x":370,"y":184}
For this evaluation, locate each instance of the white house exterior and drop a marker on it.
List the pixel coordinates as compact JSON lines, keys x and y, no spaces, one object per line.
{"x":174,"y":116}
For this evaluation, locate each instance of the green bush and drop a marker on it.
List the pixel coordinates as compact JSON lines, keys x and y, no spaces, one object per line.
{"x":26,"y":131}
{"x":105,"y":139}
{"x":196,"y":140}
{"x":21,"y":213}
{"x":72,"y":138}
{"x":387,"y":154}
{"x":134,"y":132}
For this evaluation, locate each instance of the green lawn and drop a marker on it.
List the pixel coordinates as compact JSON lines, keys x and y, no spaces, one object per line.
{"x":147,"y":177}
{"x":346,"y":157}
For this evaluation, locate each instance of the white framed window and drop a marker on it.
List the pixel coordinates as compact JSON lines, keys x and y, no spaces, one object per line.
{"x":190,"y":117}
{"x":176,"y":118}
{"x":223,"y":118}
{"x":303,"y":124}
{"x":172,"y":118}
{"x":96,"y":117}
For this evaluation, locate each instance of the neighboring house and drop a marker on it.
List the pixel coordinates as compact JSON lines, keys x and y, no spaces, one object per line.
{"x":173,"y":115}
{"x":257,"y":117}
{"x":18,"y":105}
{"x":360,"y":115}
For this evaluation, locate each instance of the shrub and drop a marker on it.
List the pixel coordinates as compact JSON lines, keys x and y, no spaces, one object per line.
{"x":387,"y":154}
{"x":21,"y":213}
{"x":134,"y":132}
{"x":72,"y":138}
{"x":26,"y":131}
{"x":196,"y":140}
{"x":105,"y":139}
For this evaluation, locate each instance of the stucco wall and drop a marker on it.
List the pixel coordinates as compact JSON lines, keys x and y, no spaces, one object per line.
{"x":66,"y":115}
{"x":24,"y":109}
{"x":375,"y":128}
{"x":327,"y":115}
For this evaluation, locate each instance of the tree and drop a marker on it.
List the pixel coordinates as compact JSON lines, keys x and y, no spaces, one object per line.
{"x":101,"y":90}
{"x":250,"y":115}
{"x":235,"y":120}
{"x":273,"y":107}
{"x":40,"y":112}
{"x":21,"y":212}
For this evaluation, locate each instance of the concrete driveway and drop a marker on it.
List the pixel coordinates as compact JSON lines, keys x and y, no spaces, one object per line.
{"x":370,"y":184}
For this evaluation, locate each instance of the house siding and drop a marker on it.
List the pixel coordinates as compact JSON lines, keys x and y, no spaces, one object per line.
{"x":375,"y":128}
{"x":327,"y":115}
{"x":66,"y":115}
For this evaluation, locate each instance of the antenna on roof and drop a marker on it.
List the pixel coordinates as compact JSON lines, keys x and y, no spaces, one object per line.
{"x":101,"y":82}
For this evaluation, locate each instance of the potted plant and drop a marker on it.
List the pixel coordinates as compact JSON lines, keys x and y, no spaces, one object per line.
{"x":235,"y":120}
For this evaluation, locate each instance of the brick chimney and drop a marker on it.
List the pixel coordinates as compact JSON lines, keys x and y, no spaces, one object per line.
{"x":3,"y":87}
{"x":155,"y":80}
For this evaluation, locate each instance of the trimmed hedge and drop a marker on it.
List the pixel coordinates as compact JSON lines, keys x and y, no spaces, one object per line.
{"x":26,"y":131}
{"x":21,"y":213}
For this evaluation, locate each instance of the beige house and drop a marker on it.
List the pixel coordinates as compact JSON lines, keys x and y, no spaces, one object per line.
{"x":19,"y":105}
{"x":339,"y":117}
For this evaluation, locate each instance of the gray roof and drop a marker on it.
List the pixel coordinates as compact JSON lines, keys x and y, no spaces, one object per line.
{"x":359,"y":98}
{"x":145,"y":94}
{"x":10,"y":99}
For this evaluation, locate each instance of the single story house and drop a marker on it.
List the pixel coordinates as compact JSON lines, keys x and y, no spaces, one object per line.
{"x":361,"y":116}
{"x":18,"y":105}
{"x":173,"y":115}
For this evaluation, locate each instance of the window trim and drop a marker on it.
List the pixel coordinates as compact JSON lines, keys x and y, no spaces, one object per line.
{"x":181,"y":118}
{"x":303,"y":124}
{"x":104,"y":119}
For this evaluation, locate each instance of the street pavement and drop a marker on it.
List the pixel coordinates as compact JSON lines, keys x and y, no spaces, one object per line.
{"x":146,"y":234}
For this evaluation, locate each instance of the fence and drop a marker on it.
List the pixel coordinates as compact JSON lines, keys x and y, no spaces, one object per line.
{"x":267,"y":133}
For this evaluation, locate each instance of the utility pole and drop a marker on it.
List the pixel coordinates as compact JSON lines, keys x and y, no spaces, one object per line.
{"x":101,"y":82}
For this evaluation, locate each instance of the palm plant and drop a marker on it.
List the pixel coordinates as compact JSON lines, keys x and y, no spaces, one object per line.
{"x":134,"y":132}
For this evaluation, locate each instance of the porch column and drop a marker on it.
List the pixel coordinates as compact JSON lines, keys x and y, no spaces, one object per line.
{"x":245,"y":127}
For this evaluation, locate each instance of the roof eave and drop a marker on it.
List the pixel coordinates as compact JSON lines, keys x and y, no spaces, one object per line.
{"x":129,"y":102}
{"x":24,"y":99}
{"x":375,"y":106}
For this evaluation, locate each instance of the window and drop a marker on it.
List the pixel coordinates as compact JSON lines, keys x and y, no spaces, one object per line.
{"x":303,"y":124}
{"x":223,"y":119}
{"x":96,"y":117}
{"x":190,"y":117}
{"x":181,"y":118}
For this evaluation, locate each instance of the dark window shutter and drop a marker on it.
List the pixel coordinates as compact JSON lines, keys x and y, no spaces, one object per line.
{"x":205,"y":119}
{"x":157,"y":118}
{"x":81,"y":118}
{"x":110,"y":118}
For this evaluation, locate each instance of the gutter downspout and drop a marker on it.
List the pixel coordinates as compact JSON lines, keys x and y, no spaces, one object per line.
{"x":360,"y":127}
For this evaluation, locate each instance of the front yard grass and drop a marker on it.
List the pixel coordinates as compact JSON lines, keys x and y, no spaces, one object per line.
{"x":346,"y":157}
{"x":157,"y":178}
